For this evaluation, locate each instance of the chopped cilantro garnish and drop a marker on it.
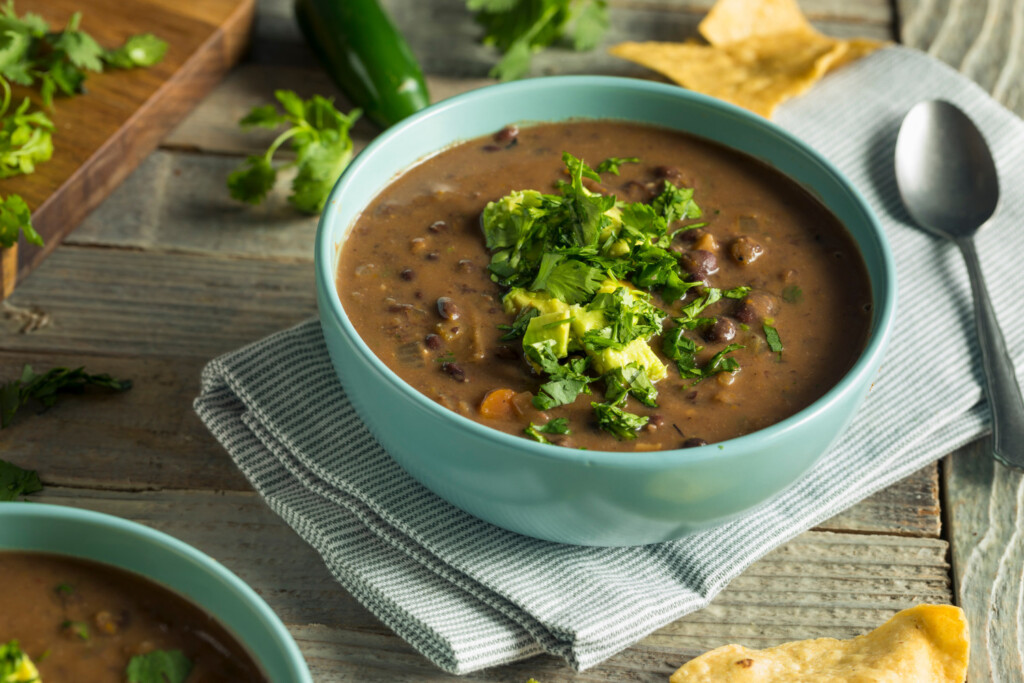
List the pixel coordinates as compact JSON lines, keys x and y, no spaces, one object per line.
{"x":736,"y":292}
{"x":568,"y":380}
{"x":159,"y":666}
{"x":681,"y":349}
{"x":617,"y":421}
{"x":611,"y":164}
{"x":631,"y":379}
{"x":568,"y":280}
{"x":694,"y":308}
{"x":676,"y":203}
{"x":772,"y":335}
{"x":629,"y":315}
{"x":447,"y":357}
{"x":721,"y":362}
{"x":518,"y":328}
{"x":64,"y":589}
{"x":80,"y":629}
{"x":15,"y":482}
{"x":792,"y":294}
{"x":559,"y":425}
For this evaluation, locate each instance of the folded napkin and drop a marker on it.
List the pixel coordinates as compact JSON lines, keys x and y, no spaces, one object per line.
{"x":469,"y":595}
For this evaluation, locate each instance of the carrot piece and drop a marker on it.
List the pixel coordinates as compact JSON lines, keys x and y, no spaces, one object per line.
{"x":497,"y":404}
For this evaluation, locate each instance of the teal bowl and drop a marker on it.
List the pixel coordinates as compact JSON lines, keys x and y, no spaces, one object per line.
{"x":175,"y":565}
{"x":561,"y":494}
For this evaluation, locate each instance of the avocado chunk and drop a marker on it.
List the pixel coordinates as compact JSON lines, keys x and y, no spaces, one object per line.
{"x":554,"y":325}
{"x":637,"y":351}
{"x":518,"y":299}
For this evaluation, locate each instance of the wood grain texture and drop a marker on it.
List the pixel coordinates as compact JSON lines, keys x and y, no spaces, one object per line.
{"x":446,"y":40}
{"x":985,"y":507}
{"x":820,"y":584}
{"x":100,"y":137}
{"x":983,"y":39}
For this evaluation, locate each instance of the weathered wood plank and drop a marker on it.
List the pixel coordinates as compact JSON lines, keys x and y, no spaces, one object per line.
{"x":984,"y":39}
{"x":820,"y":584}
{"x":445,"y":38}
{"x":985,"y":508}
{"x":128,"y":303}
{"x":910,"y":507}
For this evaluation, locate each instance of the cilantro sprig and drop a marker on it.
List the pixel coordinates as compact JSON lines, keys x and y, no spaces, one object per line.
{"x":617,"y":421}
{"x":159,"y":666}
{"x":15,"y":481}
{"x":48,"y":387}
{"x":567,"y":381}
{"x":559,"y":425}
{"x":520,"y":28}
{"x":319,"y":136}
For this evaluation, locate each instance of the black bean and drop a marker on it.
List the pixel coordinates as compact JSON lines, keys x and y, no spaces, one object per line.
{"x":433,"y":256}
{"x":465,"y":266}
{"x":407,"y":274}
{"x":693,"y":442}
{"x":668,"y":172}
{"x":692,"y":396}
{"x":492,"y":148}
{"x":506,"y":353}
{"x":447,"y":309}
{"x":699,"y":264}
{"x":454,"y":371}
{"x":724,"y":330}
{"x":437,"y":226}
{"x":745,"y":250}
{"x":507,"y":134}
{"x":433,"y":341}
{"x":562,"y":440}
{"x":757,"y":306}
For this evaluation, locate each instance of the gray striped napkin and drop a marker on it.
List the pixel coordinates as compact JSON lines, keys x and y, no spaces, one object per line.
{"x":469,"y":595}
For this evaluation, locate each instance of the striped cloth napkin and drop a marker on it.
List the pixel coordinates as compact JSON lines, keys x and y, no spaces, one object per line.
{"x":469,"y":595}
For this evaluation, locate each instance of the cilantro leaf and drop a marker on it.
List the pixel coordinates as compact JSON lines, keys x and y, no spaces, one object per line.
{"x":518,"y":28}
{"x":681,"y":349}
{"x":721,"y":362}
{"x":140,"y":50}
{"x":78,"y":47}
{"x":676,"y":203}
{"x":567,"y":381}
{"x":559,"y":425}
{"x":47,"y":387}
{"x":692,"y":309}
{"x":518,"y":328}
{"x":772,"y":335}
{"x":319,"y":135}
{"x":26,"y":139}
{"x":15,"y":481}
{"x":159,"y":666}
{"x":736,"y":292}
{"x":611,"y":164}
{"x":792,"y":294}
{"x":617,"y":421}
{"x":568,"y":280}
{"x":631,"y":379}
{"x":629,"y":316}
{"x":16,"y":219}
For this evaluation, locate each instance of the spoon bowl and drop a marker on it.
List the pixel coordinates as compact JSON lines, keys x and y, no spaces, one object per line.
{"x":949,"y":185}
{"x":944,"y":170}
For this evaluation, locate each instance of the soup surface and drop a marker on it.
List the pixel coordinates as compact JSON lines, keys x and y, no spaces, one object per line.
{"x":787,"y":316}
{"x":83,"y":621}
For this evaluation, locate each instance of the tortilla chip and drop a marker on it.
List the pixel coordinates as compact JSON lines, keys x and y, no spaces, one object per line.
{"x":732,"y":21}
{"x":924,"y":644}
{"x":758,"y":73}
{"x":855,"y":49}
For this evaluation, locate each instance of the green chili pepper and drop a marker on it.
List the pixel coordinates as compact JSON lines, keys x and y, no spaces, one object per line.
{"x":366,"y":56}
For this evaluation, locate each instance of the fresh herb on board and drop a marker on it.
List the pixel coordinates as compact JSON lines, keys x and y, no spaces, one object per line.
{"x":47,"y":387}
{"x":159,"y":666}
{"x":580,"y":268}
{"x":15,"y":482}
{"x":34,"y":54}
{"x":519,"y":28}
{"x":319,"y":136}
{"x":559,"y":425}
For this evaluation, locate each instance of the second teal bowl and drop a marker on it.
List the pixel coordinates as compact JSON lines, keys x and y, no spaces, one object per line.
{"x":155,"y":555}
{"x":591,"y":497}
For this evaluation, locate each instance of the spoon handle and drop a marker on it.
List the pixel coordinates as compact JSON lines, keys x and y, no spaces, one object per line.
{"x":1001,"y":386}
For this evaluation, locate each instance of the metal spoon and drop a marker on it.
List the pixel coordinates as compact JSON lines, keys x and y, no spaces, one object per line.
{"x":948,"y":182}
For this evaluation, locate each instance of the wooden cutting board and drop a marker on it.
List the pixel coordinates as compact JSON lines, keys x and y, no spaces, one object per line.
{"x":102,"y":136}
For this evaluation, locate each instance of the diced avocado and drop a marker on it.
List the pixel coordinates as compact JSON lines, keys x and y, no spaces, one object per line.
{"x":619,"y":248}
{"x":637,"y":351}
{"x":554,"y":325}
{"x":584,"y":320}
{"x":518,"y":298}
{"x":503,"y":221}
{"x":612,"y":229}
{"x":15,"y":665}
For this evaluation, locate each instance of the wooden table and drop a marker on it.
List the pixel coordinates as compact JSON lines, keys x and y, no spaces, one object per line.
{"x":169,"y":273}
